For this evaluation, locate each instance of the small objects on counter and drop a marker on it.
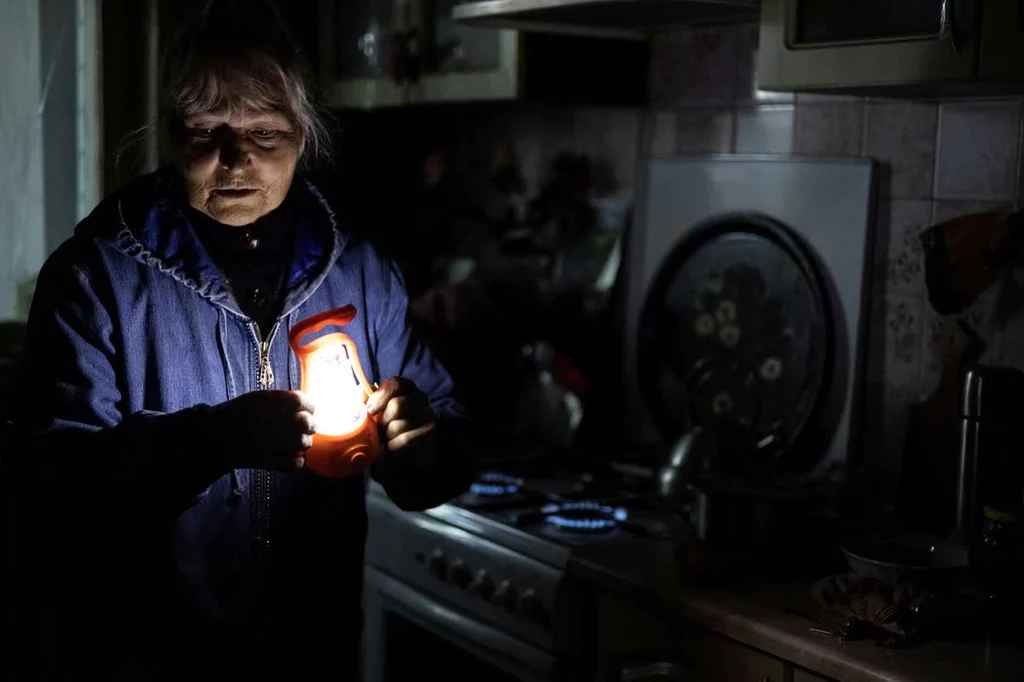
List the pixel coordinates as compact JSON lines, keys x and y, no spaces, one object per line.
{"x":852,"y":629}
{"x":887,"y":614}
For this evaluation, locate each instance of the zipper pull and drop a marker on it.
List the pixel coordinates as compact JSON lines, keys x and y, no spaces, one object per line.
{"x":266,"y":371}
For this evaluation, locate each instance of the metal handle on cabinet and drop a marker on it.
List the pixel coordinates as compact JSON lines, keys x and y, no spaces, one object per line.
{"x":948,"y":28}
{"x":651,"y":672}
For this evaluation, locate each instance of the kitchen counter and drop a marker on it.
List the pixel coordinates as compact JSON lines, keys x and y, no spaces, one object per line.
{"x":752,"y":613}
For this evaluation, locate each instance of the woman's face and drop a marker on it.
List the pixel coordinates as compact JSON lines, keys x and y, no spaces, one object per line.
{"x":238,"y":166}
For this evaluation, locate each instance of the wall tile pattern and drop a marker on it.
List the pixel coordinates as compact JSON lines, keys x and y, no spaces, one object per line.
{"x":939,"y":159}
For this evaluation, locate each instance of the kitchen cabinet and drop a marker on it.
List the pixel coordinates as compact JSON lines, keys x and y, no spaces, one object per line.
{"x":638,"y":644}
{"x":912,"y":48}
{"x":357,"y":45}
{"x":465,"y":63}
{"x":391,"y":53}
{"x":801,"y":675}
{"x":714,"y":657}
{"x":699,"y":655}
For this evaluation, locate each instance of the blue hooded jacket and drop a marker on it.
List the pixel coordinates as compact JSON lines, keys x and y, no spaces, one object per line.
{"x":133,"y":333}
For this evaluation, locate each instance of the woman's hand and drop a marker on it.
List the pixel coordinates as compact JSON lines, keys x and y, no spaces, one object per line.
{"x":409,"y":423}
{"x":264,"y":430}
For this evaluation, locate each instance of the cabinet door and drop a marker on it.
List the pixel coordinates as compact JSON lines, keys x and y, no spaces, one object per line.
{"x":465,"y":63}
{"x":826,"y":45}
{"x":719,"y":658}
{"x":453,"y":47}
{"x":801,"y":675}
{"x":1002,"y":51}
{"x":826,"y":21}
{"x":356,"y":51}
{"x":360,"y":32}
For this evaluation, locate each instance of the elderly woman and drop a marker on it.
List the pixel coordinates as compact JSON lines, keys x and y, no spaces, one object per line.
{"x":191,"y":539}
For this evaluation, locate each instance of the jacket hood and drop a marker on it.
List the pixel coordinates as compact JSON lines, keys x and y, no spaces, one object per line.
{"x":146,"y":221}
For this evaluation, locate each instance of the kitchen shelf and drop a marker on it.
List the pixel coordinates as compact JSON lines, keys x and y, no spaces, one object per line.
{"x":605,"y":18}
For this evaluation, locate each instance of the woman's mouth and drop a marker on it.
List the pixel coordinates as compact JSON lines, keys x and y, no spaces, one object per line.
{"x":234,"y":192}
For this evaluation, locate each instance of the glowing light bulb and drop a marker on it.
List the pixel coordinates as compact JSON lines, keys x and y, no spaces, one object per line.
{"x":335,"y":391}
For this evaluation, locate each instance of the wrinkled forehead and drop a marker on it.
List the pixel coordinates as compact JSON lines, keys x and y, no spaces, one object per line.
{"x":239,"y":117}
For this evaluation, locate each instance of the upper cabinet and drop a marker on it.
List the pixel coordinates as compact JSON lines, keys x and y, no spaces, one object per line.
{"x":360,"y":45}
{"x":461,"y":62}
{"x":387,"y":53}
{"x":911,"y":47}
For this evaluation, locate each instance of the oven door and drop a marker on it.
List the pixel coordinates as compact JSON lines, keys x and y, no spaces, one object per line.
{"x":872,"y":45}
{"x":409,"y":635}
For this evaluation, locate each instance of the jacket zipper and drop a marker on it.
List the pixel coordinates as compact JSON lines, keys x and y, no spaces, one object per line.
{"x":261,"y":487}
{"x":266,"y":377}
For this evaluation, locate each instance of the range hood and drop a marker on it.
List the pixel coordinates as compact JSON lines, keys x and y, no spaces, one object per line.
{"x":611,"y":18}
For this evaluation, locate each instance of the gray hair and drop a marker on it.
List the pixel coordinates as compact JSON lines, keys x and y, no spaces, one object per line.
{"x":233,"y":63}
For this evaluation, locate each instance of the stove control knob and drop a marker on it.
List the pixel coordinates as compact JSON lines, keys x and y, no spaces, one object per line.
{"x":482,"y":585}
{"x":531,"y":606}
{"x":437,"y":565}
{"x":459,"y":574}
{"x":505,"y":596}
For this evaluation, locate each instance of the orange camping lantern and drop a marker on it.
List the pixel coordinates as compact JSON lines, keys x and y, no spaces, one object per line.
{"x":346,"y":439}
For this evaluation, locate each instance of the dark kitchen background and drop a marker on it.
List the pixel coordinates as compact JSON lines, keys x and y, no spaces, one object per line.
{"x":511,"y":216}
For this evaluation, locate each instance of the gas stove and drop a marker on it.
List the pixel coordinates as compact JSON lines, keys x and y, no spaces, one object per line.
{"x":568,"y":510}
{"x":502,"y":554}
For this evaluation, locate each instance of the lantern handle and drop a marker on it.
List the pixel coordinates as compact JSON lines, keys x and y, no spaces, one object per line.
{"x":334,"y":317}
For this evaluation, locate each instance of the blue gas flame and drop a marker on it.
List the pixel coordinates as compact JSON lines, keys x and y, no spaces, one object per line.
{"x":584,"y":515}
{"x":495,"y":485}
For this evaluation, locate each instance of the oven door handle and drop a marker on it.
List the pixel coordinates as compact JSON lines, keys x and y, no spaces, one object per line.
{"x":431,"y":614}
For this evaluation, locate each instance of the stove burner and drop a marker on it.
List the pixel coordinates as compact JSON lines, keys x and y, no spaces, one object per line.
{"x":495,"y":485}
{"x":583,"y":516}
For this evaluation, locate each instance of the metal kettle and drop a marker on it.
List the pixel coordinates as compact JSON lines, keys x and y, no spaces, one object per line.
{"x":689,"y":456}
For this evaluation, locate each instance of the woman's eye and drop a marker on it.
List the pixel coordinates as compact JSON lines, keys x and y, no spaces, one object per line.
{"x":264,"y":134}
{"x":201,"y":133}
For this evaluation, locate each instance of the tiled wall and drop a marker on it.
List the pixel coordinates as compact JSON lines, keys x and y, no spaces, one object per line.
{"x":941,"y":159}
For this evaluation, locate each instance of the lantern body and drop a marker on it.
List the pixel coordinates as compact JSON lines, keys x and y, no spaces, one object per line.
{"x":346,"y":439}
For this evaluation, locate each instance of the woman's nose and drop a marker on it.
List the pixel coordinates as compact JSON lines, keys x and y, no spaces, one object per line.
{"x":232,"y":149}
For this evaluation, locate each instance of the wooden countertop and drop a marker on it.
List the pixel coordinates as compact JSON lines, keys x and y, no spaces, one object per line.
{"x":752,"y":613}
